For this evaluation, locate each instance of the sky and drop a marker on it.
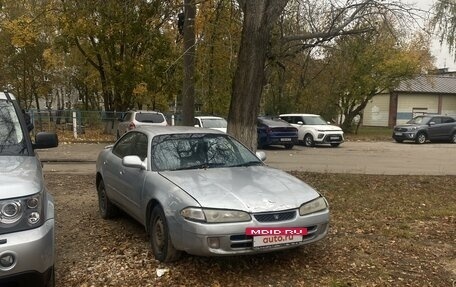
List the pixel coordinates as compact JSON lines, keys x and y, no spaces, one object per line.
{"x":443,"y":58}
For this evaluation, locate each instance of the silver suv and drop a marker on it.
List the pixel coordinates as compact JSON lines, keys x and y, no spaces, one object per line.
{"x":26,"y":208}
{"x":134,"y":119}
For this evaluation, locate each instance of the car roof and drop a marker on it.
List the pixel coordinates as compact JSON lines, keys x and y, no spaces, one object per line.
{"x":3,"y":96}
{"x":294,"y":115}
{"x":143,"y":111}
{"x":209,"y":118}
{"x":153,"y":131}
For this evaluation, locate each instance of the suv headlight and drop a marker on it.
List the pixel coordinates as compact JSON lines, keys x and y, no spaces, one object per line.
{"x":214,"y":215}
{"x":21,"y":213}
{"x":313,"y":206}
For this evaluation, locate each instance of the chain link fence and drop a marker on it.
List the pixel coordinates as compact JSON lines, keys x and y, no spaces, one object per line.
{"x":81,"y":125}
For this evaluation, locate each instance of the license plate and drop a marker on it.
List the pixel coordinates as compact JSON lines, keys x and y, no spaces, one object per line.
{"x":397,"y":134}
{"x":334,"y":138}
{"x":274,"y":240}
{"x":286,"y":139}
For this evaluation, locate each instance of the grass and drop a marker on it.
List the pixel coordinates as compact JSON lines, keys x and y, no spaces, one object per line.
{"x":370,"y":134}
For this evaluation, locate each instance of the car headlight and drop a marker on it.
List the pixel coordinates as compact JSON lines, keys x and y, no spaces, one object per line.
{"x":413,"y":129}
{"x":313,"y":206}
{"x":214,"y":215}
{"x":21,"y":213}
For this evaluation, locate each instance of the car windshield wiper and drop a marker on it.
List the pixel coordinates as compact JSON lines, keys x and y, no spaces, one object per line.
{"x":249,"y":163}
{"x":202,"y":166}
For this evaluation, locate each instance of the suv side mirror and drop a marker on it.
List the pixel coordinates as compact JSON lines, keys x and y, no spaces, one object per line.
{"x":45,"y":140}
{"x":431,"y":123}
{"x":300,"y":123}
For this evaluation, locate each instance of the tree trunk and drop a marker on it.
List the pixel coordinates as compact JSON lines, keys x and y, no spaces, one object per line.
{"x":188,"y":86}
{"x":259,"y":17}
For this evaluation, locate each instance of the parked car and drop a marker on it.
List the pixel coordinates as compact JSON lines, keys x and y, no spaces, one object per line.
{"x":134,"y":119}
{"x":274,"y":131}
{"x":211,"y":122}
{"x":203,"y":192}
{"x":26,"y":208}
{"x":426,"y":127}
{"x":313,"y":129}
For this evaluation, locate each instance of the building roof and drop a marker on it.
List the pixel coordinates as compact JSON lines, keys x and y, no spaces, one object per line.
{"x":439,"y":84}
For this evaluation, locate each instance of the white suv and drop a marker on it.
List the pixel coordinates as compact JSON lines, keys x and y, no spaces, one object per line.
{"x":313,"y":129}
{"x":134,"y":119}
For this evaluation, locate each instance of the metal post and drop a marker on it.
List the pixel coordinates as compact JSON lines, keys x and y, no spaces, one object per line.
{"x":75,"y":126}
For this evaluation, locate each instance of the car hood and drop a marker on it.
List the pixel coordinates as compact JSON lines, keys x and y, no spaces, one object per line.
{"x":252,"y":189}
{"x":20,"y":176}
{"x":408,"y":126}
{"x":326,"y":127}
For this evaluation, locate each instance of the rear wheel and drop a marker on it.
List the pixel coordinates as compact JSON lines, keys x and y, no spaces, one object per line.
{"x":160,"y":241}
{"x":309,"y":140}
{"x":51,"y":281}
{"x":106,"y":207}
{"x":420,"y":138}
{"x":453,"y":138}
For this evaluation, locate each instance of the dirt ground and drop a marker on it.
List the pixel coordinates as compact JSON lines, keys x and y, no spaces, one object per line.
{"x":385,"y":231}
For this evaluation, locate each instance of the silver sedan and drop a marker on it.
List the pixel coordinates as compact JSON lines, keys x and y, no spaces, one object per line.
{"x":202,"y":192}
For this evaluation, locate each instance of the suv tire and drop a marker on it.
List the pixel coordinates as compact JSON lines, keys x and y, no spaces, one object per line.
{"x":308,"y":140}
{"x":420,"y":138}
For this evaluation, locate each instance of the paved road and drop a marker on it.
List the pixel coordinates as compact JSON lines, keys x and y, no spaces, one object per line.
{"x":351,"y":157}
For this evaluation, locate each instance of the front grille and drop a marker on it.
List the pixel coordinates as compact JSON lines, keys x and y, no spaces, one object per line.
{"x":274,"y":217}
{"x":400,"y":129}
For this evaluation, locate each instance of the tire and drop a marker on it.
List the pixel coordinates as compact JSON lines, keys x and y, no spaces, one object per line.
{"x":309,"y":141}
{"x":289,"y":146}
{"x":335,"y":144}
{"x":106,"y":207}
{"x":160,"y":241}
{"x":453,"y":138}
{"x":399,"y":141}
{"x":51,"y":281}
{"x":420,"y":138}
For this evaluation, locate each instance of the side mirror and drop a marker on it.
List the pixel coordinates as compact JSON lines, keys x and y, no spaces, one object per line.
{"x":300,"y":123}
{"x":133,"y":161}
{"x":261,"y":155}
{"x":196,"y":126}
{"x":45,"y":140}
{"x":431,"y":123}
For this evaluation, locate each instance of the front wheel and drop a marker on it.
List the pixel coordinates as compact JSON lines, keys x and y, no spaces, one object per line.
{"x":335,"y":144}
{"x":399,"y":141}
{"x":160,"y":241}
{"x":309,"y":140}
{"x":420,"y":138}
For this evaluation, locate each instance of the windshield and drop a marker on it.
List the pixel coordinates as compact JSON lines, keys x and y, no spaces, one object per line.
{"x":193,"y":151}
{"x":314,"y":120}
{"x":213,"y":123}
{"x":420,"y":120}
{"x":150,"y":118}
{"x":11,"y":137}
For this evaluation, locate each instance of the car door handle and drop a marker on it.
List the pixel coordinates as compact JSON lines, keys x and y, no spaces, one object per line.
{"x":122,"y":172}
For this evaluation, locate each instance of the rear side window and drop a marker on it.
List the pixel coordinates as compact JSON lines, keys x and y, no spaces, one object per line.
{"x":150,"y":118}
